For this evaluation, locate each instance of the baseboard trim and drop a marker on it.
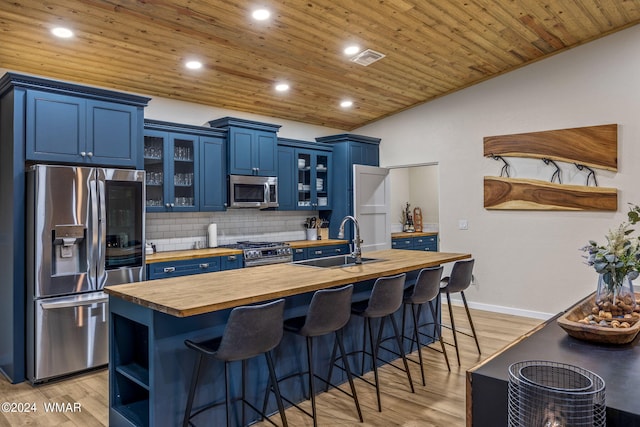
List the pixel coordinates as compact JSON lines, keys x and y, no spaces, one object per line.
{"x":502,"y":309}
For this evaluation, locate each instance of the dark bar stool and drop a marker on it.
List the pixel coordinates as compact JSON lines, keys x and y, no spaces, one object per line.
{"x":424,"y":292}
{"x":329,"y":311}
{"x":250,"y":331}
{"x":459,"y":281}
{"x":385,"y":300}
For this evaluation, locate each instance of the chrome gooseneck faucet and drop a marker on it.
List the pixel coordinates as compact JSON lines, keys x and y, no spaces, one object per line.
{"x":357,"y":250}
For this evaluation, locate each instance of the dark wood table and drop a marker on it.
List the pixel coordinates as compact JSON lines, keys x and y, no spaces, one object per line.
{"x":618,"y":365}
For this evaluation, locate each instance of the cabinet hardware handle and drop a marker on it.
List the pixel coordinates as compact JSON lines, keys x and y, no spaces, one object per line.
{"x":318,"y":252}
{"x":169,"y":269}
{"x":299,"y":251}
{"x":204,"y":265}
{"x":338,"y":250}
{"x":231,"y":258}
{"x":172,"y":205}
{"x":82,"y":153}
{"x":90,"y":154}
{"x":419,"y":240}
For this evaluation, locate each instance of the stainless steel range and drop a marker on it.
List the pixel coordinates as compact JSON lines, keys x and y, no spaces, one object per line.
{"x":263,"y":253}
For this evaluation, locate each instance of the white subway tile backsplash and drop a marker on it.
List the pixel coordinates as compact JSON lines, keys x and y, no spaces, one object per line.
{"x":179,"y":231}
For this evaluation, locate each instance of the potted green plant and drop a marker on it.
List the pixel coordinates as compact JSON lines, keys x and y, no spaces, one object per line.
{"x":618,"y":263}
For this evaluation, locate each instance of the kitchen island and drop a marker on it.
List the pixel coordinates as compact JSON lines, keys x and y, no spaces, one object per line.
{"x":150,"y":367}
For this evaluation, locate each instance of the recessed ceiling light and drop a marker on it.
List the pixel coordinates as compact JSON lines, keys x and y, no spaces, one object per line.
{"x":261,"y":14}
{"x":346,"y":104}
{"x":63,"y":33}
{"x":193,"y":65}
{"x":282,"y":87}
{"x":352,"y":50}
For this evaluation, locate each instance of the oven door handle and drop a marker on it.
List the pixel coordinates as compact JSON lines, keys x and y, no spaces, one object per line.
{"x":73,"y":303}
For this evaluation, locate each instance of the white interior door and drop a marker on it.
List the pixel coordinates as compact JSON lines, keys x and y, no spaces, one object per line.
{"x":371,"y":206}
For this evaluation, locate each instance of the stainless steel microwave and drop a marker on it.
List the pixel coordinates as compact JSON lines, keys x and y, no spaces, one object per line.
{"x":253,"y":191}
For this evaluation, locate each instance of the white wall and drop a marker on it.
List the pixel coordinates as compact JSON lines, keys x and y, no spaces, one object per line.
{"x":400,"y":185}
{"x":196,"y":114}
{"x":526,"y":260}
{"x":424,"y":189}
{"x":418,"y":185}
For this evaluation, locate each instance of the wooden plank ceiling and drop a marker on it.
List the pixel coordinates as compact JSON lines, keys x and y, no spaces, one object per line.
{"x":432,"y":48}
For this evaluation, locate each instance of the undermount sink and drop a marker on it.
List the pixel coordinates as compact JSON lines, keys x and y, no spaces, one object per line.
{"x":334,"y":261}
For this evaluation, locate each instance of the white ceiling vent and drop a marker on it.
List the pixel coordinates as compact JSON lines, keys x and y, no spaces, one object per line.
{"x":367,"y":57}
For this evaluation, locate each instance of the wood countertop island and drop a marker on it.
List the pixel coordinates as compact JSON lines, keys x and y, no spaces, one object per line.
{"x":205,"y":293}
{"x":150,"y":366}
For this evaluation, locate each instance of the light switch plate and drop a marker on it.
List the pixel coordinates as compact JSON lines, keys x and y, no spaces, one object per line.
{"x":463,"y":224}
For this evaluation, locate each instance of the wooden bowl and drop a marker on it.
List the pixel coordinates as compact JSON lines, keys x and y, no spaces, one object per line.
{"x":596,"y":333}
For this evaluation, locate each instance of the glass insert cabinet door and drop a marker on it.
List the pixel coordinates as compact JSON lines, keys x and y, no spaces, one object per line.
{"x":183,"y":172}
{"x":312,"y":183}
{"x":322,"y":181}
{"x":154,"y":155}
{"x":304,"y":179}
{"x":169,"y":162}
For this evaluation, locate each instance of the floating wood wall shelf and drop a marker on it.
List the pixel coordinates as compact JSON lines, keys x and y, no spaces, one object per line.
{"x":530,"y":194}
{"x":593,"y":146}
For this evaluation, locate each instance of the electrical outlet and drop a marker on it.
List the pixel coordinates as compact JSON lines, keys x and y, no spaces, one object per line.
{"x":463,"y":224}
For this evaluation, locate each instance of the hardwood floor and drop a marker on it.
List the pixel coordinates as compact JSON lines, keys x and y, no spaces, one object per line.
{"x":441,"y":403}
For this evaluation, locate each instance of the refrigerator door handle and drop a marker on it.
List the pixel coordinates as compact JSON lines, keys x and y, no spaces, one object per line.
{"x":102,"y":233}
{"x":93,"y":232}
{"x":74,"y":303}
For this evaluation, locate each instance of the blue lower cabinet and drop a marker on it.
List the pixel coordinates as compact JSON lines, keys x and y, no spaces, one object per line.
{"x":164,"y":270}
{"x":329,"y":250}
{"x":426,"y":243}
{"x":404,"y":243}
{"x":416,"y":243}
{"x":231,"y":262}
{"x":299,"y":254}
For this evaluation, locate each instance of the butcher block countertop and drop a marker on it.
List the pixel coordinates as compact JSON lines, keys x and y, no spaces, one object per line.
{"x":404,"y":234}
{"x":190,"y":254}
{"x":204,"y":293}
{"x":314,"y":243}
{"x":210,"y":252}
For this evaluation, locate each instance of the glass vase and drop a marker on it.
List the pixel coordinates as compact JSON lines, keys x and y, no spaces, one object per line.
{"x":617,"y":299}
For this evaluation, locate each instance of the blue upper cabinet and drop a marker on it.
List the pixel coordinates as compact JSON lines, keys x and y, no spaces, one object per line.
{"x":252,"y":146}
{"x":73,"y":124}
{"x":185,"y":167}
{"x":113,"y":133}
{"x":170,"y":162}
{"x":348,"y":150}
{"x":305,"y":177}
{"x":286,"y":178}
{"x":213,"y":173}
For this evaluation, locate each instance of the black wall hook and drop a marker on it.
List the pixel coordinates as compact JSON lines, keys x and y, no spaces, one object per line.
{"x":504,"y":172}
{"x":556,"y":173}
{"x":591,"y":174}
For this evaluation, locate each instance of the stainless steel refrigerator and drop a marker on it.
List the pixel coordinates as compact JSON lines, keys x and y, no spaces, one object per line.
{"x":85,"y":230}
